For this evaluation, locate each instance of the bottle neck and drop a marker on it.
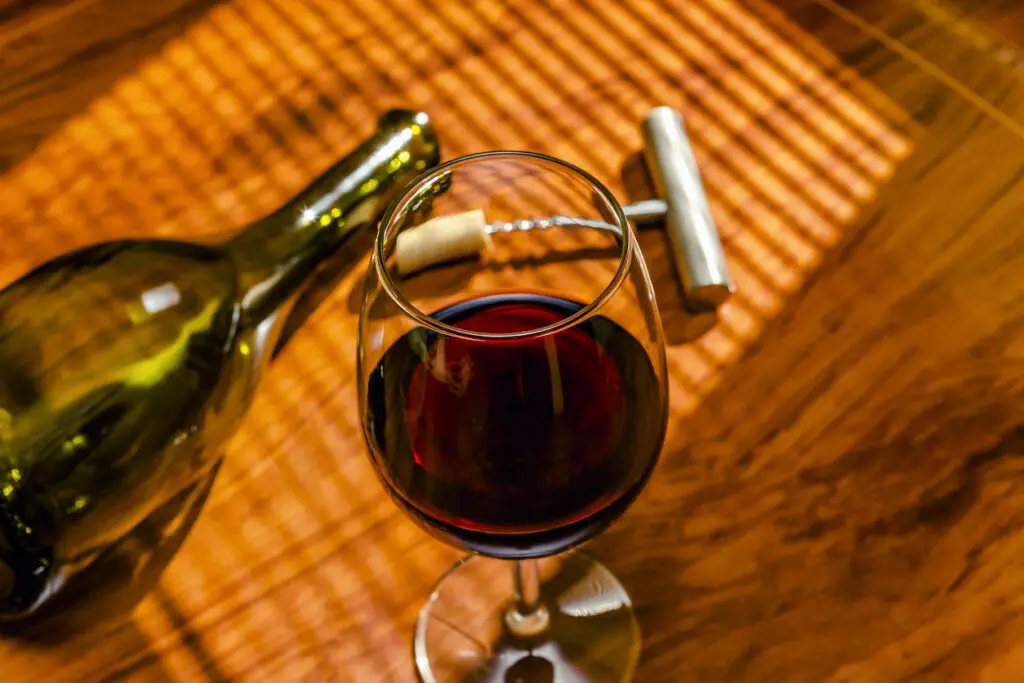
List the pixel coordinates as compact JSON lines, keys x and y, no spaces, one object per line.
{"x":276,"y":256}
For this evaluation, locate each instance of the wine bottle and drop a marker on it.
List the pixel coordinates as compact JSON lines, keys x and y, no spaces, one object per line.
{"x":125,"y":366}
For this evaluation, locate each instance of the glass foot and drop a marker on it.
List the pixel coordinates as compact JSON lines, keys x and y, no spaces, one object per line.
{"x":590,"y":635}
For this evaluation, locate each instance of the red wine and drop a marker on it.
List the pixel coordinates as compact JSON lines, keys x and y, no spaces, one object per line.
{"x":516,"y":447}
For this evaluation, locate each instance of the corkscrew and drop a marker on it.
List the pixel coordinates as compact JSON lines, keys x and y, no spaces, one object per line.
{"x":647,"y":211}
{"x":696,"y":247}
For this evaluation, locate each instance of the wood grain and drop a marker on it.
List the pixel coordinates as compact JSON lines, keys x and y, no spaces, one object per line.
{"x":839,"y":498}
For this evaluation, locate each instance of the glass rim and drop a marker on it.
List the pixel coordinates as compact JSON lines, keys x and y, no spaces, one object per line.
{"x":589,"y":310}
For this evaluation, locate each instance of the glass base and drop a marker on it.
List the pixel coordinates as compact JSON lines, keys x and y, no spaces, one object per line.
{"x":591,"y":635}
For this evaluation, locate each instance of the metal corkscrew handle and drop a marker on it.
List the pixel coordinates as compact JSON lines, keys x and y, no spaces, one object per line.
{"x":693,"y":236}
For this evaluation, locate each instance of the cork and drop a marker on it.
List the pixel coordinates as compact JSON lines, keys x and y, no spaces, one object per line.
{"x":445,"y":238}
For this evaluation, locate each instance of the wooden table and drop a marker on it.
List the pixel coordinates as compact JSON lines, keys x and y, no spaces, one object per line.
{"x":840,"y":497}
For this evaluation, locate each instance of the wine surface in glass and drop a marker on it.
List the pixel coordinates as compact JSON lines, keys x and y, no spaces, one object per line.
{"x":515,"y":448}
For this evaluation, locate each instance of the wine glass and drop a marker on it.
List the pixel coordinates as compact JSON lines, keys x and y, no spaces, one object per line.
{"x":514,"y":404}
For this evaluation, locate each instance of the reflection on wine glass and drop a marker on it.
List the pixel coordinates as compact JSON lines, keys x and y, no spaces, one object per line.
{"x":515,"y":406}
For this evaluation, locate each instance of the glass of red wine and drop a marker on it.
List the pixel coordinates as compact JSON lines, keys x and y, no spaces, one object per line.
{"x":514,"y":404}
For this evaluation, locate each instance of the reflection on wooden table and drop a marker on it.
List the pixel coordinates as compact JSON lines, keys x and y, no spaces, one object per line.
{"x":838,"y":499}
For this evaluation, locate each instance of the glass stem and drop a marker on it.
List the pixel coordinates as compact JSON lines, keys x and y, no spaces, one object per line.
{"x":528,"y":617}
{"x":527,"y":586}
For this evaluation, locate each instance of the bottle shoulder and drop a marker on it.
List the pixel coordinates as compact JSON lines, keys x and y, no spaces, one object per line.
{"x":114,"y":304}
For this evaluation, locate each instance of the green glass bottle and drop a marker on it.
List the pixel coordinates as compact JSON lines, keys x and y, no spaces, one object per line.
{"x":125,"y":366}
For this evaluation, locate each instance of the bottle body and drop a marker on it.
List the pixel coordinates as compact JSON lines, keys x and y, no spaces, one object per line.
{"x":124,"y":367}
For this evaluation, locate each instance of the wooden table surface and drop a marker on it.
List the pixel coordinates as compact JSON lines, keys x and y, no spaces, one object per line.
{"x":841,"y":496}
